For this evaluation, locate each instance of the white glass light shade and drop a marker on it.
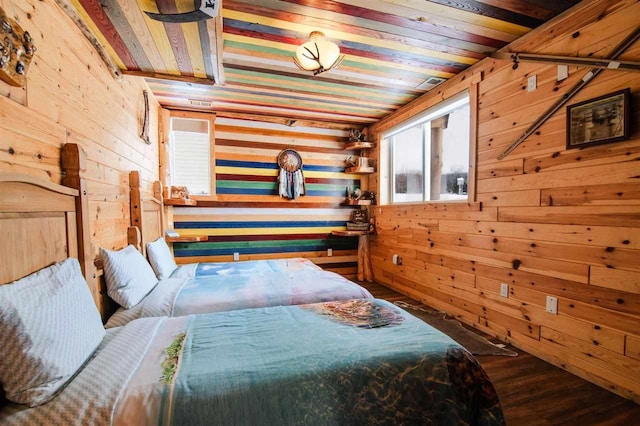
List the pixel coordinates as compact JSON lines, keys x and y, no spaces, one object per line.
{"x":318,"y":54}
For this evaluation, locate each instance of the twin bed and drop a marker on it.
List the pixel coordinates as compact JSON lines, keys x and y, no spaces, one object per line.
{"x":352,"y":360}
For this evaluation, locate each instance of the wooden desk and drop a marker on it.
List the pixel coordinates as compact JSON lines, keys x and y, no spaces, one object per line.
{"x":364,"y":262}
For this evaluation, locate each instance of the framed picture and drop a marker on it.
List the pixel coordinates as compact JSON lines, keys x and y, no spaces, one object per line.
{"x":600,"y":120}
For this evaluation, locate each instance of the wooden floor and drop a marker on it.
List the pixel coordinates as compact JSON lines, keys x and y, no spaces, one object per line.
{"x":534,"y":392}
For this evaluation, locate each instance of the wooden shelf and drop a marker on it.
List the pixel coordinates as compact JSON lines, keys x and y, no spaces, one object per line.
{"x":360,"y":170}
{"x":187,"y":239}
{"x":356,"y":203}
{"x":179,"y":202}
{"x":360,"y":145}
{"x":349,"y":233}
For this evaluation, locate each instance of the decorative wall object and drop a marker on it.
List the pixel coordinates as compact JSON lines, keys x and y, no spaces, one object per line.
{"x":145,"y":120}
{"x":290,"y":178}
{"x":600,"y":120}
{"x":208,"y":9}
{"x":16,"y":51}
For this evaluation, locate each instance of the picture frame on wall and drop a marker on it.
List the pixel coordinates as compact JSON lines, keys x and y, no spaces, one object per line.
{"x":600,"y":120}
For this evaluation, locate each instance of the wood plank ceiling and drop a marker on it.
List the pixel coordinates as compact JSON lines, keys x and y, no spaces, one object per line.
{"x":394,"y":51}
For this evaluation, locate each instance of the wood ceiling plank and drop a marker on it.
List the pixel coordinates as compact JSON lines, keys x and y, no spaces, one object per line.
{"x":176,"y":38}
{"x":304,"y":104}
{"x":131,"y":12}
{"x":293,"y":84}
{"x":377,"y":21}
{"x":325,"y":87}
{"x":160,"y":38}
{"x":542,"y":10}
{"x":218,"y":107}
{"x":386,"y":54}
{"x":193,"y":41}
{"x":342,"y":75}
{"x":384,"y":70}
{"x":423,"y":11}
{"x":303,"y":30}
{"x":284,"y":52}
{"x":95,"y":13}
{"x":492,"y":11}
{"x":123,"y":27}
{"x":328,"y":79}
{"x":95,"y":33}
{"x":426,"y":39}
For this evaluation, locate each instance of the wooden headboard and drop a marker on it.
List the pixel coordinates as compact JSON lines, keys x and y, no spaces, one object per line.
{"x":146,"y":214}
{"x":42,"y":223}
{"x":37,"y":224}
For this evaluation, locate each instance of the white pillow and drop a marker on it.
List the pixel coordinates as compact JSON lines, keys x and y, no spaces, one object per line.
{"x":128,"y":275}
{"x":161,"y":258}
{"x":49,"y":327}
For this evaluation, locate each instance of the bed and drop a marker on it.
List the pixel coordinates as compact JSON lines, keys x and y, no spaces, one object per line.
{"x":213,"y":287}
{"x":148,"y":224}
{"x":343,"y":362}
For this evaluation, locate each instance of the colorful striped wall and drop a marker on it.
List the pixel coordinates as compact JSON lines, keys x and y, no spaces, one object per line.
{"x":248,"y":217}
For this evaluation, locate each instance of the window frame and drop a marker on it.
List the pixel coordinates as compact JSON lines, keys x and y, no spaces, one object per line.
{"x":386,"y":172}
{"x":167,"y":162}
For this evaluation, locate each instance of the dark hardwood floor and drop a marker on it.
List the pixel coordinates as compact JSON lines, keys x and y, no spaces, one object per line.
{"x":534,"y":392}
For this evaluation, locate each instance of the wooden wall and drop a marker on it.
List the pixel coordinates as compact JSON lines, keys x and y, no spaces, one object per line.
{"x":247,"y":215}
{"x":70,"y":97}
{"x":545,"y":221}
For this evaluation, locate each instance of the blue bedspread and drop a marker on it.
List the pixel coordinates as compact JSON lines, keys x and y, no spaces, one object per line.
{"x":355,"y":362}
{"x":253,"y":267}
{"x":217,"y":293}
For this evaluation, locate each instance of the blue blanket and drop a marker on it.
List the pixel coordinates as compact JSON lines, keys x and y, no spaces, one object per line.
{"x":216,"y":293}
{"x":255,"y":267}
{"x":354,"y":362}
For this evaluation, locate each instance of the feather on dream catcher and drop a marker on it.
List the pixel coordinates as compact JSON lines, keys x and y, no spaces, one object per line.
{"x":290,"y":178}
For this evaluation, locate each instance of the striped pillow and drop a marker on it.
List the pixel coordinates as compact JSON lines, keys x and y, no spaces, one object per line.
{"x":128,"y":275}
{"x":49,"y":327}
{"x":161,"y":258}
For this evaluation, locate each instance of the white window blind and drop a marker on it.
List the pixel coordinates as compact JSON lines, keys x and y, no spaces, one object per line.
{"x":191,"y":165}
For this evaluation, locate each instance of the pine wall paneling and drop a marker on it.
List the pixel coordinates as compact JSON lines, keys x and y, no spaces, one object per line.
{"x":552,"y":221}
{"x":70,"y":97}
{"x":247,"y":216}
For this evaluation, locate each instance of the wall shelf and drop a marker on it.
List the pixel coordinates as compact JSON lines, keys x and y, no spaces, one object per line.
{"x":356,"y":203}
{"x":180,"y":202}
{"x":360,"y":170}
{"x":186,"y":239}
{"x":360,"y":145}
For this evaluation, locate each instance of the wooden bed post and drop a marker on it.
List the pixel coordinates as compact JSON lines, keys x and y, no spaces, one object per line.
{"x":135,"y":199}
{"x":74,"y":163}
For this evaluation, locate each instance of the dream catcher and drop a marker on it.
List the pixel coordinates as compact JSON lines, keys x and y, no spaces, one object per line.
{"x":290,"y":179}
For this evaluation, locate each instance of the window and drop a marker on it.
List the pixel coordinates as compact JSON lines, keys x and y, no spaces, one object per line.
{"x":190,"y":141}
{"x":428,"y":157}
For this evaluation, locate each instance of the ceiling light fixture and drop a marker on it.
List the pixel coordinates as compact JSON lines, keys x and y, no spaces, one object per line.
{"x":318,"y":54}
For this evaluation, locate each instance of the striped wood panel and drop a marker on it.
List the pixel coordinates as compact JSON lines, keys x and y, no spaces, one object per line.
{"x":394,"y":50}
{"x":246,"y":172}
{"x":564,"y":223}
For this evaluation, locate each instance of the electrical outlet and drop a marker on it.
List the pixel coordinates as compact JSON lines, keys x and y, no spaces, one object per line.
{"x":236,"y":256}
{"x":395,"y":259}
{"x":504,"y":290}
{"x":329,"y":252}
{"x":552,"y":305}
{"x":532,"y":83}
{"x":563,"y":72}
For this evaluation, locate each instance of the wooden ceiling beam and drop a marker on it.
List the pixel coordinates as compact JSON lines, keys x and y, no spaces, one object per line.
{"x":291,"y":122}
{"x":173,"y":77}
{"x":71,"y":12}
{"x":216,"y":44}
